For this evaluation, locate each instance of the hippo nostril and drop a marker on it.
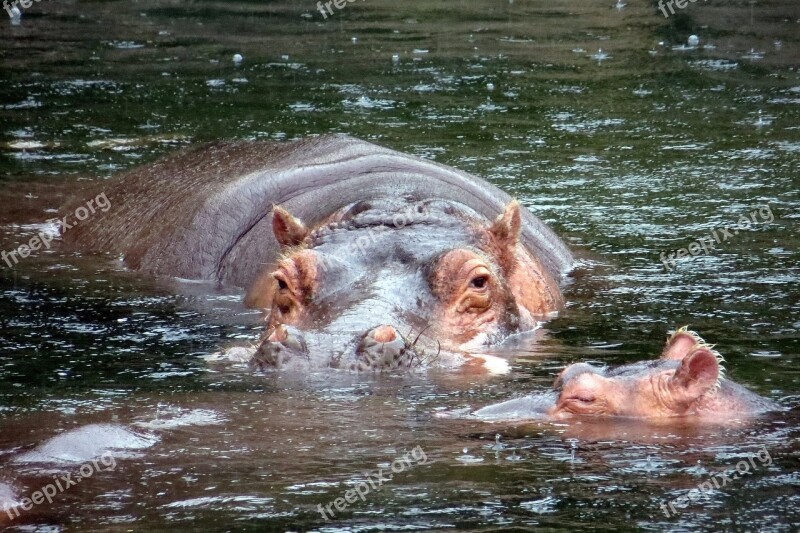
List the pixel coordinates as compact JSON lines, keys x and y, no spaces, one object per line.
{"x":288,"y":337}
{"x":384,"y":334}
{"x":281,"y":346}
{"x":295,"y":342}
{"x":383,"y":349}
{"x":279,"y":334}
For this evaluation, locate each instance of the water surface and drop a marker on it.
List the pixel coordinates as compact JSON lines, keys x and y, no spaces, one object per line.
{"x":598,"y":117}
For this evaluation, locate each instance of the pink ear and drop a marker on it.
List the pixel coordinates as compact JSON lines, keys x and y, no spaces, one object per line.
{"x":697,"y":374}
{"x":288,"y":230}
{"x":680,"y":344}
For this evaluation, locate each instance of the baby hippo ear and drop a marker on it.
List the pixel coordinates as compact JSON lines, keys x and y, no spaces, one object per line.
{"x":506,"y":227}
{"x":681,"y":343}
{"x":698,"y":374}
{"x":288,"y":230}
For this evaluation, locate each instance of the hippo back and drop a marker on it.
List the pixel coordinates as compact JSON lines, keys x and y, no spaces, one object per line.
{"x":204,"y":213}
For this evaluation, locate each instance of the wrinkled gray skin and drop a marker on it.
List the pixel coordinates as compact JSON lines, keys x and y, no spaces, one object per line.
{"x":207,"y":214}
{"x":731,"y":399}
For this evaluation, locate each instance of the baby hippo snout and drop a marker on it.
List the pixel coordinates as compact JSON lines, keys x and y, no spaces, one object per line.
{"x":383,"y":349}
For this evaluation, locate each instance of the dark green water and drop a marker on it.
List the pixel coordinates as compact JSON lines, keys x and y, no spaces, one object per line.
{"x":597,"y":118}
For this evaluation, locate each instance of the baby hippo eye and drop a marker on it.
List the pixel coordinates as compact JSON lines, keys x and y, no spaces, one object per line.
{"x":479,"y":282}
{"x":585,"y":398}
{"x":282,"y":285}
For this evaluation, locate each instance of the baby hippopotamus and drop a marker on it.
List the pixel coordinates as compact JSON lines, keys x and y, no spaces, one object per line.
{"x":687,"y":381}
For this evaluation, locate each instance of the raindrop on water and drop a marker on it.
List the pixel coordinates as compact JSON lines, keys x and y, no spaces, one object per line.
{"x":514,"y":456}
{"x":467,"y":458}
{"x":497,"y":446}
{"x":573,"y":444}
{"x":600,"y":56}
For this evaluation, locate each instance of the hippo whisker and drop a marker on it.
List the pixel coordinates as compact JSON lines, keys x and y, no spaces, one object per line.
{"x":420,"y":353}
{"x":430,"y":360}
{"x":426,"y":328}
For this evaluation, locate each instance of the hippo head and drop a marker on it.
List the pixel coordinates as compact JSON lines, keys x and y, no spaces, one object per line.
{"x":651,"y":389}
{"x":687,"y":380}
{"x":387,"y":284}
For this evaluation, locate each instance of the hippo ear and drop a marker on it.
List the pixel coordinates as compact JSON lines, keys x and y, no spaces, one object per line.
{"x":699,"y":373}
{"x":506,"y":227}
{"x":681,"y":343}
{"x":288,"y":230}
{"x":505,"y":233}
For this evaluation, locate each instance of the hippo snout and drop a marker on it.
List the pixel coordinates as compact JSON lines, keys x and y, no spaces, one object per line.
{"x":284,"y":344}
{"x":383,"y":349}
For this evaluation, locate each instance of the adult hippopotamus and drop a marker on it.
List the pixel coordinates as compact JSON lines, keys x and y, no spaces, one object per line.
{"x":686,"y":381}
{"x":364,"y":258}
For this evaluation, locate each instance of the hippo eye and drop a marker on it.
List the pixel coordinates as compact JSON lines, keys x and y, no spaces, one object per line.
{"x":584,"y":398}
{"x":479,"y":282}
{"x":282,"y":285}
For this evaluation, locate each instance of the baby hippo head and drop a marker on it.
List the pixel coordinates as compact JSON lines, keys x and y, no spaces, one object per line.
{"x":681,"y":382}
{"x":686,"y":381}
